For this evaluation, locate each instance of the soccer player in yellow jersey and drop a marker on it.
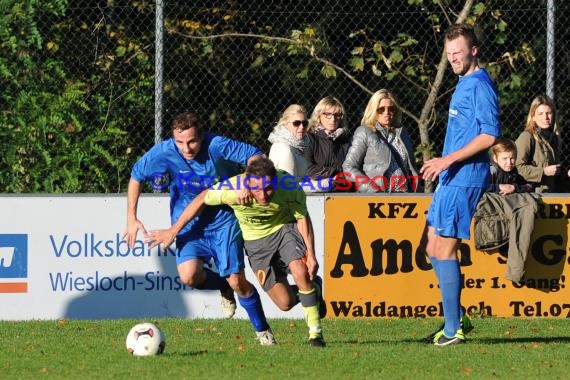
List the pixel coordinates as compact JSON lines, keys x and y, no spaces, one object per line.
{"x":278,"y":237}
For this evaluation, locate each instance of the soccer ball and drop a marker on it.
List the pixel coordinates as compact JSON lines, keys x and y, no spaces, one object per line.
{"x":145,"y":339}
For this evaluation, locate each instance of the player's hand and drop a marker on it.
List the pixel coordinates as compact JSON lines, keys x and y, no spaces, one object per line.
{"x":130,"y":233}
{"x":157,"y":237}
{"x":244,"y":196}
{"x":312,"y":266}
{"x":432,"y":168}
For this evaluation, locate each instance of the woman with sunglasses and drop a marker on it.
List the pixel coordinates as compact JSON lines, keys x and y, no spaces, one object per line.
{"x":381,"y":156}
{"x":329,"y":144}
{"x":289,"y":141}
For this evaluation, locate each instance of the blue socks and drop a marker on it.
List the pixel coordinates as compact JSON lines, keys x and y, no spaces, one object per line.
{"x":450,"y":286}
{"x":434,"y":263}
{"x":254,"y":309}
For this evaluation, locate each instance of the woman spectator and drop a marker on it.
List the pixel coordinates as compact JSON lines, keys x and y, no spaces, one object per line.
{"x":381,"y":156}
{"x":329,"y":144}
{"x":289,"y":141}
{"x":539,"y":147}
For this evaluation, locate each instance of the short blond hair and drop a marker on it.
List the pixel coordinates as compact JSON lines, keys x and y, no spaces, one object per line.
{"x":291,"y":110}
{"x":322,"y":105}
{"x":504,"y":145}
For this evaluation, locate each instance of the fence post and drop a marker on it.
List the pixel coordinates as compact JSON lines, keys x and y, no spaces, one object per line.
{"x":158,"y":71}
{"x":550,"y":49}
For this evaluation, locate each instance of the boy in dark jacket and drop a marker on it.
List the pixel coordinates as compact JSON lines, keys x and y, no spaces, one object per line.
{"x":505,"y":178}
{"x":506,"y":212}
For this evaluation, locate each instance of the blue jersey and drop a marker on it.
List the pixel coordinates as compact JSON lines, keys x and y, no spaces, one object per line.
{"x":474,"y":110}
{"x":218,"y":159}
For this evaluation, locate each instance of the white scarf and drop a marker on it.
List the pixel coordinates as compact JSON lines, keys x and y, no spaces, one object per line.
{"x":283,"y":135}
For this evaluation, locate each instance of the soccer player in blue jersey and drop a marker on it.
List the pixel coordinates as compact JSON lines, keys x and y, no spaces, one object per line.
{"x":278,"y":235}
{"x":194,"y":159}
{"x":463,"y":170}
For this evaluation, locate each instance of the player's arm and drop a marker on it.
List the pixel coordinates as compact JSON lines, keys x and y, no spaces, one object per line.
{"x":432,"y":168}
{"x":305,"y":227}
{"x":150,"y":164}
{"x":133,"y":224}
{"x":166,"y":236}
{"x":207,"y":197}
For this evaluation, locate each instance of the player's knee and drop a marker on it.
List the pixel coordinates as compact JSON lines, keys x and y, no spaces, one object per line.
{"x":284,"y":305}
{"x":192,"y":278}
{"x":239,"y":284}
{"x":282,"y":299}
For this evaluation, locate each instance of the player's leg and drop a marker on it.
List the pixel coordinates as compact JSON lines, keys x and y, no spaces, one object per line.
{"x":270,"y":271}
{"x":190,"y":259}
{"x":249,"y":299}
{"x":292,"y":252}
{"x":429,"y":240}
{"x":309,"y":298}
{"x":441,"y":250}
{"x":282,"y":294}
{"x":449,"y":222}
{"x":449,"y":284}
{"x":227,"y":249}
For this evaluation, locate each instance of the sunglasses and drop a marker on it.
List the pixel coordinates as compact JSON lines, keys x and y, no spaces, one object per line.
{"x":298,"y":123}
{"x":390,"y":109}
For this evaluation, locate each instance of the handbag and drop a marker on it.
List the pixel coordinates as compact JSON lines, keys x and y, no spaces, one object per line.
{"x":409,"y":182}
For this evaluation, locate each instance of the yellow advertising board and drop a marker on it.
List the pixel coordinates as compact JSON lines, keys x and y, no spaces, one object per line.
{"x":375,"y":266}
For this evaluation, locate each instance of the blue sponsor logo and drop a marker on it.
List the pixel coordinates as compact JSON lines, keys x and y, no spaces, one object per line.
{"x":13,"y":255}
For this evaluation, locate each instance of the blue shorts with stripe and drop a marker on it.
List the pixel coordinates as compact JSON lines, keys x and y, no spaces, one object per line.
{"x":224,"y":245}
{"x":451,"y":210}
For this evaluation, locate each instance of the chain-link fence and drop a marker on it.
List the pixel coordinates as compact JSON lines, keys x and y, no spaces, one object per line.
{"x":238,"y":64}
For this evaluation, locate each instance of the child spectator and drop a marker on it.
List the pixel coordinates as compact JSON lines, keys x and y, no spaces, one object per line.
{"x":505,"y":178}
{"x":504,"y":219}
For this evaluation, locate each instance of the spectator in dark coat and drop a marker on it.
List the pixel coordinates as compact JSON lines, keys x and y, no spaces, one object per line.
{"x":505,"y":178}
{"x":329,"y":143}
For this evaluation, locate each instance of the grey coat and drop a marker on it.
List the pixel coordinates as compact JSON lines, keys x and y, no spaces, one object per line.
{"x":370,"y":156}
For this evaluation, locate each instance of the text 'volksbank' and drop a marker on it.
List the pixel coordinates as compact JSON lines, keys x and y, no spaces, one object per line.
{"x":89,"y":245}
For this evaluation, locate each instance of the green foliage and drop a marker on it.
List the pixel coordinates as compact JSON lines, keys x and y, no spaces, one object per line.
{"x":49,"y":139}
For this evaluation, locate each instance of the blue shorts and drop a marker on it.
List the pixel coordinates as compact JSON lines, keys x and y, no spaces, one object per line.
{"x":451,"y":210}
{"x":223,"y":245}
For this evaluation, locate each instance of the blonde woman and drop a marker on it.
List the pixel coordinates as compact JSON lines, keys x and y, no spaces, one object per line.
{"x":539,"y":147}
{"x":289,"y":141}
{"x":329,"y":144}
{"x":381,"y":156}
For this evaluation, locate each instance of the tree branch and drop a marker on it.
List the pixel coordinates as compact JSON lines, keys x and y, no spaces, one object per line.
{"x":309,"y":49}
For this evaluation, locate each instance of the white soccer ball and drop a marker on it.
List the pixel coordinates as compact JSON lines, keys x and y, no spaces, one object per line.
{"x":145,"y":339}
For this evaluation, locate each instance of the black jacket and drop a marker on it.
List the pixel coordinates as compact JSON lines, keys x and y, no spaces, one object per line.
{"x":501,"y":177}
{"x":326,"y":154}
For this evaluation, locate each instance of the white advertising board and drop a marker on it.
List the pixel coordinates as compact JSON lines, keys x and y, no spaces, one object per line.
{"x":63,"y":257}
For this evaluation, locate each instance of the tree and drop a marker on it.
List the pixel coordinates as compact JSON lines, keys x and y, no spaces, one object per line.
{"x":413,"y":61}
{"x":63,"y":131}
